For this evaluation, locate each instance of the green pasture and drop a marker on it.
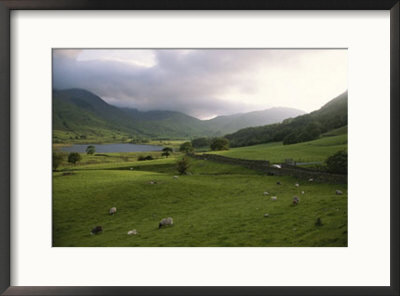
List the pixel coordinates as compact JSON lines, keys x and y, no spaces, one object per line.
{"x":215,"y":205}
{"x":317,"y":150}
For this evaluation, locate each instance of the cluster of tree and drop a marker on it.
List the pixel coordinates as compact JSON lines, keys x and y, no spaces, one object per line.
{"x":201,"y":142}
{"x":337,"y":163}
{"x":219,"y":143}
{"x":186,"y":147}
{"x":294,"y":130}
{"x":139,"y":140}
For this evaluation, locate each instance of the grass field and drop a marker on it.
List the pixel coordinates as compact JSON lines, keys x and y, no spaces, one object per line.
{"x":217,"y":205}
{"x":317,"y":150}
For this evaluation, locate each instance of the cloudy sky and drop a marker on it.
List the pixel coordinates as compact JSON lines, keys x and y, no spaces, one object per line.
{"x":205,"y":83}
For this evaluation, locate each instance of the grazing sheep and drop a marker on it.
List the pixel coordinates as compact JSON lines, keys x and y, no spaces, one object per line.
{"x":96,"y":230}
{"x":339,"y":192}
{"x":266,"y":193}
{"x":274,"y":198}
{"x":302,"y":192}
{"x":297,"y":184}
{"x":296,"y":200}
{"x":310,"y":180}
{"x":112,"y":211}
{"x":165,"y":222}
{"x":132,"y":232}
{"x":278,"y":183}
{"x":266,"y":215}
{"x":277,"y":166}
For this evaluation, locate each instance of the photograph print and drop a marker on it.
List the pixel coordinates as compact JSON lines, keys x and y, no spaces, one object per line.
{"x":199,"y":147}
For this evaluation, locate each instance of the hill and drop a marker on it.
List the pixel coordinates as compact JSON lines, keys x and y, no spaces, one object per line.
{"x":232,"y":123}
{"x":302,"y":128}
{"x":79,"y":115}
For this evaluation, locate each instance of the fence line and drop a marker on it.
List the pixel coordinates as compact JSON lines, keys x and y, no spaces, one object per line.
{"x":285,"y":170}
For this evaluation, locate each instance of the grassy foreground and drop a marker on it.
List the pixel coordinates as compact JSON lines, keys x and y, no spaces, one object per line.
{"x":218,"y":205}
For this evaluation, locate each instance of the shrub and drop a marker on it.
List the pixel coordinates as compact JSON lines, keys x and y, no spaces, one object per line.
{"x":73,"y":157}
{"x":183,"y":165}
{"x":337,"y":163}
{"x":142,"y":157}
{"x":90,"y":149}
{"x":57,"y":160}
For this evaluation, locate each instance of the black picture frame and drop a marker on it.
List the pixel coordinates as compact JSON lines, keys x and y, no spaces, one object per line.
{"x":7,"y":6}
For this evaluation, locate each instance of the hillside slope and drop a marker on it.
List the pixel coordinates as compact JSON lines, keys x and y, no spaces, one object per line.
{"x":295,"y":130}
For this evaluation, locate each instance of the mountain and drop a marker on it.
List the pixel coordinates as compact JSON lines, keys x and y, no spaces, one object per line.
{"x":81,"y":115}
{"x":299,"y":129}
{"x":232,"y":123}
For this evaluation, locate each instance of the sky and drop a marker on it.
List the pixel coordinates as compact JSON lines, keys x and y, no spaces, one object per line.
{"x":205,"y":83}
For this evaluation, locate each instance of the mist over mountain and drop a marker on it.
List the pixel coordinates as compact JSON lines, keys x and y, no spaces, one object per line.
{"x":82,"y":114}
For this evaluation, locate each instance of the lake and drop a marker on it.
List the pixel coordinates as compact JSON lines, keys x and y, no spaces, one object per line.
{"x":109,"y":148}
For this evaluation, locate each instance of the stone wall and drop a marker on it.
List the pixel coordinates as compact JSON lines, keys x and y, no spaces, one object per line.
{"x":286,"y":170}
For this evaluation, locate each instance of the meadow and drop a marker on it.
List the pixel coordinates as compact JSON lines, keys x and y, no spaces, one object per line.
{"x":312,"y":151}
{"x":215,"y":205}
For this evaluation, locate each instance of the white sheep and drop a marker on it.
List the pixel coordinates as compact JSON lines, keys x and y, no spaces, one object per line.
{"x":165,"y":222}
{"x":277,"y":166}
{"x":112,"y":211}
{"x":339,"y":192}
{"x":302,"y":192}
{"x":310,"y":180}
{"x":274,"y":197}
{"x":266,"y":215}
{"x":132,"y":232}
{"x":176,"y":177}
{"x":297,"y":184}
{"x":266,"y":193}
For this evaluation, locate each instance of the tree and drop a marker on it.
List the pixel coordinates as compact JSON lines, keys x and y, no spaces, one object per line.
{"x":57,"y":160}
{"x":166,"y":152}
{"x":73,"y":157}
{"x":183,"y":165}
{"x":186,"y":147}
{"x":90,"y":149}
{"x":219,"y":144}
{"x":337,"y":163}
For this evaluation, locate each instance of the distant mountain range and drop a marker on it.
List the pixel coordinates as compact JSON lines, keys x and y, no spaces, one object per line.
{"x":80,"y":114}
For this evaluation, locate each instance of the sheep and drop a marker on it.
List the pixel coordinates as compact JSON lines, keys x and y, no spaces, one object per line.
{"x":266,"y":193}
{"x":96,"y":230}
{"x":277,"y":166}
{"x":302,"y":192}
{"x":295,"y":200}
{"x":274,"y":198}
{"x":297,"y":184}
{"x":311,"y":180}
{"x":131,"y":169}
{"x":165,"y":222}
{"x":112,"y":211}
{"x":132,"y":232}
{"x":176,"y":177}
{"x":339,"y":192}
{"x":266,"y":215}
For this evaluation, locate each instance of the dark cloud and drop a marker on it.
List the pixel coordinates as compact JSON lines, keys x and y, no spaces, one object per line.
{"x":194,"y":82}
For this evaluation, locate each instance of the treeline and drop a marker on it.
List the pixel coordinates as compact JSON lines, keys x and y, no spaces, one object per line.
{"x":295,"y":130}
